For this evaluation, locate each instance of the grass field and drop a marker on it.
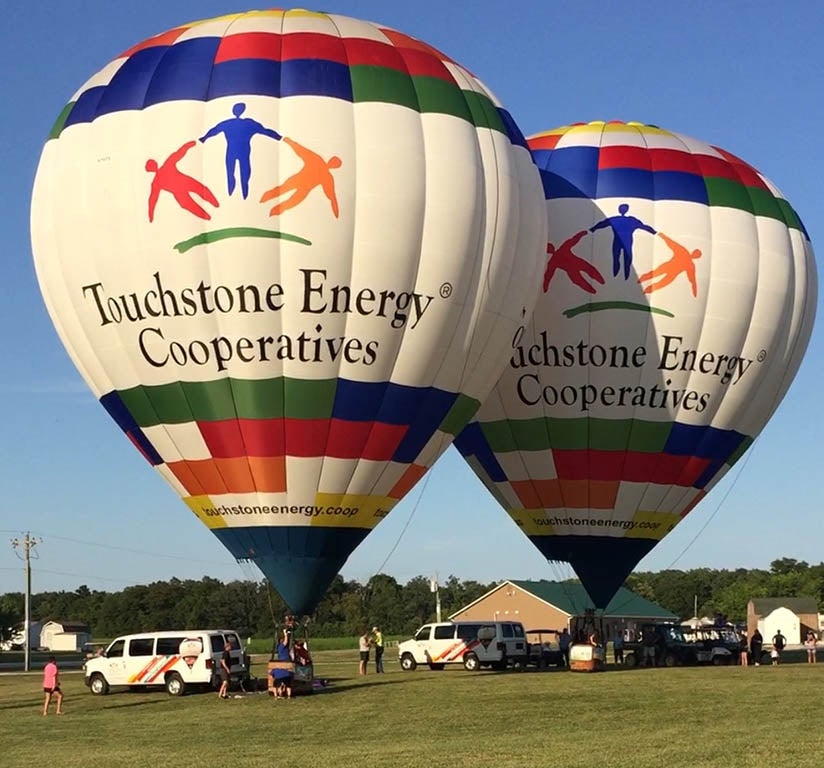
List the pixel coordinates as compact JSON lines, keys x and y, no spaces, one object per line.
{"x":700,"y":717}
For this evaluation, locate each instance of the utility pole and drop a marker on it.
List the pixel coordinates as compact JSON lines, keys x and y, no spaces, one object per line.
{"x":434,"y":587}
{"x":27,"y":545}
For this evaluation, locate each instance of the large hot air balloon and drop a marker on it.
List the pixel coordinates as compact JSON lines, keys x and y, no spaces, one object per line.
{"x":678,"y":299}
{"x":287,"y":251}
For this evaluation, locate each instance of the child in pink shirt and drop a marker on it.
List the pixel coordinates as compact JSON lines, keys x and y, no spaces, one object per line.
{"x":51,"y":686}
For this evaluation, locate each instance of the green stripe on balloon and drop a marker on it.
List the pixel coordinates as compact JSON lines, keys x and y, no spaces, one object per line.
{"x":576,"y":434}
{"x":221,"y":399}
{"x":462,"y":410}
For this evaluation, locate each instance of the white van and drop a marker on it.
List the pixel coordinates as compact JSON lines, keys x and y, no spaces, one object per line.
{"x":176,"y":660}
{"x":474,"y":644}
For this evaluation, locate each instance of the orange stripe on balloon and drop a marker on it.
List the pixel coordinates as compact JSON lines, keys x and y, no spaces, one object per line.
{"x":268,"y":473}
{"x":414,"y":472}
{"x":573,"y":494}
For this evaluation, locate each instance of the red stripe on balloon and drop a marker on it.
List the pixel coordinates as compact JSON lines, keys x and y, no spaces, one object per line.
{"x":630,"y":466}
{"x":336,"y":438}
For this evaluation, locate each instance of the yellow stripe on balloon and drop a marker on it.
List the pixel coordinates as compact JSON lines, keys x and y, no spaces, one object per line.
{"x":344,"y":510}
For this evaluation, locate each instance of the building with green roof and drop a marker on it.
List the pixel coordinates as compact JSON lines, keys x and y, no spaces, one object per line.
{"x":558,"y":605}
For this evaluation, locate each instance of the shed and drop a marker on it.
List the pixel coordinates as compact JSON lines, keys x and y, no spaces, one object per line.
{"x":64,"y":635}
{"x":792,"y":615}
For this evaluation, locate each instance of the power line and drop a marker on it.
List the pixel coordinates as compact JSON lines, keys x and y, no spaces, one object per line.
{"x":127,"y":549}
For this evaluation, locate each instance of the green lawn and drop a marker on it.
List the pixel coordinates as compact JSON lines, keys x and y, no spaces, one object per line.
{"x":698,"y":717}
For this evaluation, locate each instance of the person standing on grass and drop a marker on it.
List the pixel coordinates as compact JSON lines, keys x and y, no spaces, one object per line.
{"x":225,"y":671}
{"x":756,"y":643}
{"x":809,"y":644}
{"x":564,"y":641}
{"x":778,"y":641}
{"x":618,"y":647}
{"x":743,"y":649}
{"x":51,"y":686}
{"x":377,"y":640}
{"x":363,"y":648}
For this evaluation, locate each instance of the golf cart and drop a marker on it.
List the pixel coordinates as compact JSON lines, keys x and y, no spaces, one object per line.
{"x":543,"y":649}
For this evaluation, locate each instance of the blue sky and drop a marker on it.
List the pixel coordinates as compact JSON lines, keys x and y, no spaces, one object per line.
{"x":742,"y":75}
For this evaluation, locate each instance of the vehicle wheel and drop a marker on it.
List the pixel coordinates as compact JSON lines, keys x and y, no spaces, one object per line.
{"x":98,"y":685}
{"x":630,"y":661}
{"x":408,"y":662}
{"x":669,"y":660}
{"x":436,"y":667}
{"x":719,"y":661}
{"x":471,"y":663}
{"x":175,"y":685}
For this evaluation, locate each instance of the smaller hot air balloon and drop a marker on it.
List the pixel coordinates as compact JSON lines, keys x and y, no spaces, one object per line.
{"x":286,"y":251}
{"x":678,"y":298}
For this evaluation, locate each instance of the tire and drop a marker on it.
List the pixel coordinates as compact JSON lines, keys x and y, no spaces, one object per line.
{"x":630,"y":660}
{"x":436,"y":667}
{"x":719,"y":661}
{"x":669,"y":660}
{"x":98,"y":684}
{"x":408,"y":663}
{"x":471,"y":663}
{"x":175,"y":685}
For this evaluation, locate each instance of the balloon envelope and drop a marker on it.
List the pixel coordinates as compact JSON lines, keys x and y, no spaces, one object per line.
{"x":287,"y":251}
{"x":678,"y":299}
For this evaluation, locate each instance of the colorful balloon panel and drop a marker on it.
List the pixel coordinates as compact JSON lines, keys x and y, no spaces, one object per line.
{"x":678,"y":299}
{"x":287,"y":251}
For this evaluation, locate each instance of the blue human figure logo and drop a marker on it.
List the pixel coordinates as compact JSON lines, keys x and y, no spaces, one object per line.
{"x":623,"y":231}
{"x":239,"y":132}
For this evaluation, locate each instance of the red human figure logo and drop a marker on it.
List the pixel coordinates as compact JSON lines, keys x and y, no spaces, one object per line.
{"x":683,"y":260}
{"x":168,"y":178}
{"x":575,"y":267}
{"x":316,"y":172}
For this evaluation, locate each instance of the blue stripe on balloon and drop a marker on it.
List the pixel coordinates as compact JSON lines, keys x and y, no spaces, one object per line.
{"x":471,"y":442}
{"x":427,"y":415}
{"x":702,"y":442}
{"x":297,"y":77}
{"x":512,"y":129}
{"x":385,"y":401}
{"x":85,"y":108}
{"x":127,"y":89}
{"x":118,"y":411}
{"x":651,"y":185}
{"x":572,"y":172}
{"x":184,"y":72}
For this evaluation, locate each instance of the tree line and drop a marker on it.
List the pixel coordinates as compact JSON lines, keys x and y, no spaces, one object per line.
{"x":254,"y":609}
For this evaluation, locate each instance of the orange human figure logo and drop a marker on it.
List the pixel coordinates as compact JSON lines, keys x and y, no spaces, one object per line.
{"x":683,"y":260}
{"x":168,"y":178}
{"x":316,"y":172}
{"x":562,"y":257}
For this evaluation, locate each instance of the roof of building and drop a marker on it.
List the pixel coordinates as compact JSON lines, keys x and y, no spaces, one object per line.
{"x":764,"y":605}
{"x":71,"y":626}
{"x":572,"y":598}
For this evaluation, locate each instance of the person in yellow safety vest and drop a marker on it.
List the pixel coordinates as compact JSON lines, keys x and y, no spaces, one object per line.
{"x":377,"y":639}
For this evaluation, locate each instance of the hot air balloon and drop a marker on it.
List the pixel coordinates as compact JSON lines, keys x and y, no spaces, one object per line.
{"x":678,"y":299}
{"x":287,"y":251}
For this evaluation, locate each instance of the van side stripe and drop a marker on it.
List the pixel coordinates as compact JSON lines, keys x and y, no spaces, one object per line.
{"x":470,"y":646}
{"x":170,"y":663}
{"x":449,"y":650}
{"x":145,"y":669}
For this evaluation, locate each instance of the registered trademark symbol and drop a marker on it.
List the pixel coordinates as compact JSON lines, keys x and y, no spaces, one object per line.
{"x":762,"y":355}
{"x":446,"y":290}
